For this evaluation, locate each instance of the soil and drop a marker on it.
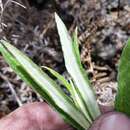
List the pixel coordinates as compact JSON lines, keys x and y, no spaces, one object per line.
{"x":103,"y":29}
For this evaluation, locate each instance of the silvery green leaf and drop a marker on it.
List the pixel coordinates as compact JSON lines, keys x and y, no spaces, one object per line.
{"x":76,"y":70}
{"x":79,"y":102}
{"x":59,"y":77}
{"x":43,"y":84}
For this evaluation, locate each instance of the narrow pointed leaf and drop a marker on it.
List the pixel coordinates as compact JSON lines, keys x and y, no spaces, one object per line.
{"x":76,"y":46}
{"x":59,"y":77}
{"x":43,"y":84}
{"x":76,"y":70}
{"x":79,"y":102}
{"x":122,"y":102}
{"x":73,"y":91}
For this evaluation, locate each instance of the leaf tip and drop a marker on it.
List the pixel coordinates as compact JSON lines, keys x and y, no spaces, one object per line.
{"x":56,"y":17}
{"x":58,"y":20}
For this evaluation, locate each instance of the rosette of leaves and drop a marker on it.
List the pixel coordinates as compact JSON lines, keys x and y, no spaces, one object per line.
{"x":79,"y":109}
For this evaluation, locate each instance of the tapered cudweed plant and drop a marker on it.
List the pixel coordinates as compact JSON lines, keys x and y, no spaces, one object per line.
{"x":79,"y":109}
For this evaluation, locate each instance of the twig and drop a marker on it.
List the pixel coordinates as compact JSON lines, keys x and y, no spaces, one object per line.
{"x":47,"y":27}
{"x":12,"y":89}
{"x":14,"y":93}
{"x":18,"y":4}
{"x":1,"y":5}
